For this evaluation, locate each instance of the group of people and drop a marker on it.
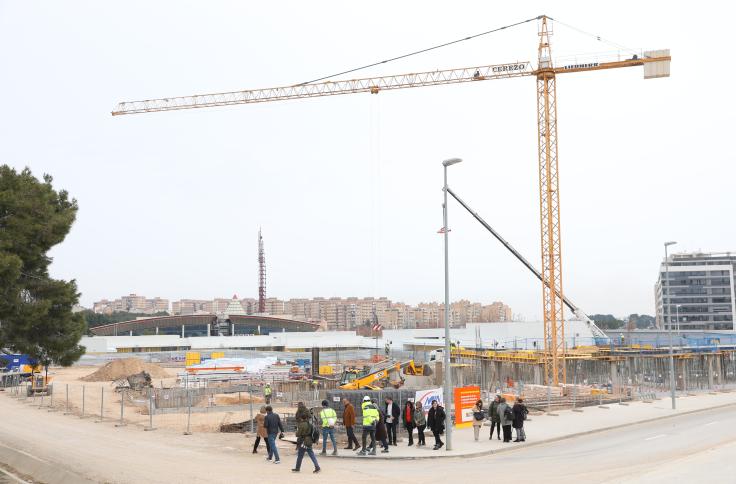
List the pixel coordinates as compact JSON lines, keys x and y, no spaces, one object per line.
{"x":380,"y":426}
{"x":502,"y":416}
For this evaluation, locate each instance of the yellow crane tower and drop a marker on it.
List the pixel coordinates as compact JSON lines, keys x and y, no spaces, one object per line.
{"x":656,"y":64}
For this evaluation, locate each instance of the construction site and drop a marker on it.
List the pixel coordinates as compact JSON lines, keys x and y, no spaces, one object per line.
{"x":214,"y":374}
{"x":552,"y":366}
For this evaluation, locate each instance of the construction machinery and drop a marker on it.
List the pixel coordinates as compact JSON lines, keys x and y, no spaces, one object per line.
{"x":656,"y":63}
{"x":379,"y":376}
{"x":135,"y":382}
{"x":40,"y":384}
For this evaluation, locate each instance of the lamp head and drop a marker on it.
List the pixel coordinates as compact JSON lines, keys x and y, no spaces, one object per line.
{"x":451,"y":161}
{"x":666,"y":244}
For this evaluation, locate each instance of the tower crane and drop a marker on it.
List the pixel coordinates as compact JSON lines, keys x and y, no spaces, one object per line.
{"x":656,"y":64}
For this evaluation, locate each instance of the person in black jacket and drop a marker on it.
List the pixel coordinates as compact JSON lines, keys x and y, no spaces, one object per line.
{"x":274,"y":428}
{"x":436,"y":423}
{"x":520,"y":411}
{"x":393,"y":413}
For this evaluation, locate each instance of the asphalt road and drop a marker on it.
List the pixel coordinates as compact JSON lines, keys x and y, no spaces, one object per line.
{"x":697,"y":446}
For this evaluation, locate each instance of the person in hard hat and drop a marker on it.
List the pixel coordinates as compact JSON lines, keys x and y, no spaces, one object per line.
{"x":267,"y":393}
{"x":370,"y":419}
{"x":329,"y":418}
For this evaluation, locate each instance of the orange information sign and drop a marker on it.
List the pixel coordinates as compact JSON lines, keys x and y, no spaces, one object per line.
{"x":465,"y":399}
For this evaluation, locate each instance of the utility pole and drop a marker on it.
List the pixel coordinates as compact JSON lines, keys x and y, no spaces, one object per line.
{"x":668,"y":321}
{"x":448,"y":374}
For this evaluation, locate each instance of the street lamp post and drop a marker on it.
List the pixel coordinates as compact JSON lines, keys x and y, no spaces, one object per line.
{"x":668,"y":320}
{"x":677,"y":319}
{"x":447,"y":387}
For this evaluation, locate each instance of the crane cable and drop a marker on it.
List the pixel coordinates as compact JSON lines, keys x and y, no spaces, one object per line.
{"x":403,"y":56}
{"x":595,"y":36}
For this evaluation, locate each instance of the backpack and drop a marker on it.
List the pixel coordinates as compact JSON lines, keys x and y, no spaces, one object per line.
{"x":526,"y":412}
{"x":481,"y":415}
{"x":508,"y":413}
{"x":314,"y":430}
{"x":315,"y":433}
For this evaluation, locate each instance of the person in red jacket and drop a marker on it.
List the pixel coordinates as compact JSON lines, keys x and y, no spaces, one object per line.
{"x":407,"y":415}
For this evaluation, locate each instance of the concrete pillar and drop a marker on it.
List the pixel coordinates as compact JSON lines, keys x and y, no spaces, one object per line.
{"x":131,"y":332}
{"x":538,"y":380}
{"x":439,"y":375}
{"x":710,"y":370}
{"x":157,"y":330}
{"x":182,"y":330}
{"x":718,"y":371}
{"x":680,"y":382}
{"x":232,"y":329}
{"x":615,"y":380}
{"x":499,"y":374}
{"x":208,"y":330}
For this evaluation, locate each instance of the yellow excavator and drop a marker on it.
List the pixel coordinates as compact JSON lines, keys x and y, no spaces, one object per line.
{"x":380,"y":376}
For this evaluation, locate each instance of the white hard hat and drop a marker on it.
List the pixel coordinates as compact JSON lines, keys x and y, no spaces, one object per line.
{"x":366,"y":398}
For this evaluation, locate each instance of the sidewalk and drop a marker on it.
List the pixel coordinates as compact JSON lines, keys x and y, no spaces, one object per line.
{"x":542,"y":429}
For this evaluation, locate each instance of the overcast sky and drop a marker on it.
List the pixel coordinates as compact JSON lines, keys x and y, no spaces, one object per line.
{"x":347,"y":189}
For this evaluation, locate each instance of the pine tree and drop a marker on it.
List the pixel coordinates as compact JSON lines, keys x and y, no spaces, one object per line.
{"x":35,"y":310}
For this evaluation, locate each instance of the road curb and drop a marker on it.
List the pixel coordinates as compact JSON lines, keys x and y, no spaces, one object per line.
{"x":535,"y":443}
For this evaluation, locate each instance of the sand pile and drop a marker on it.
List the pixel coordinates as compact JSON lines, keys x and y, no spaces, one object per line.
{"x":126,"y":367}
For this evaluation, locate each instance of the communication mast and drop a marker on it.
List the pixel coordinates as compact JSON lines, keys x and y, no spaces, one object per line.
{"x":261,"y":275}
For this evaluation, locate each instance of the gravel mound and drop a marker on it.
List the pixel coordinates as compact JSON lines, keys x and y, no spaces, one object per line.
{"x":122,"y":368}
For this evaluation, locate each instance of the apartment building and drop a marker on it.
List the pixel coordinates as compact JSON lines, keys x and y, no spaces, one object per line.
{"x":347,"y":314}
{"x":132,"y":303}
{"x":699,"y":292}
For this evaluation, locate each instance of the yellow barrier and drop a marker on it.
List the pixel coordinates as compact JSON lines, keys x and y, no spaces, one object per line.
{"x":325,"y":370}
{"x":192,"y":358}
{"x":217,"y":355}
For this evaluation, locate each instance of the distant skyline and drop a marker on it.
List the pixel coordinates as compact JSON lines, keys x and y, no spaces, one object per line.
{"x":347,"y":189}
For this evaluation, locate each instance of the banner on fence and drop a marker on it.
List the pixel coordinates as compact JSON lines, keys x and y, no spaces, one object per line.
{"x":426,"y":397}
{"x":465,"y":399}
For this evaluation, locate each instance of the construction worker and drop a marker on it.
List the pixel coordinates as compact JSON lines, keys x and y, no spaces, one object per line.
{"x":370,"y":419}
{"x":267,"y":393}
{"x":329,"y":418}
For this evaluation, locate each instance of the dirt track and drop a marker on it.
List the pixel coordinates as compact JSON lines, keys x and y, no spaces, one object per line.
{"x":104,"y":453}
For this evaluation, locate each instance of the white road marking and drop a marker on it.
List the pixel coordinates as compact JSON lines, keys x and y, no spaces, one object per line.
{"x":711,"y":423}
{"x":26,"y":454}
{"x":13,"y":476}
{"x":656,"y":437}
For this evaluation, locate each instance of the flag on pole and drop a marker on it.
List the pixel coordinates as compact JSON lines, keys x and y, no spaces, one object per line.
{"x":377,"y":327}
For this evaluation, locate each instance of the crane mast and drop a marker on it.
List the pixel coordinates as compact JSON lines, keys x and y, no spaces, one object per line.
{"x":549,"y":212}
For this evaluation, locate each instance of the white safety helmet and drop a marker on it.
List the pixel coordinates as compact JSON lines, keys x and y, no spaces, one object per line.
{"x":366,"y":398}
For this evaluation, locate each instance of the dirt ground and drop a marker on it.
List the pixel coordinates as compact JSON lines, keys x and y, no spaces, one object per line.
{"x":135,"y":410}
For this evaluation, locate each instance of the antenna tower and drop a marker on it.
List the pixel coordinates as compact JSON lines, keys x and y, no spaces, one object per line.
{"x":261,"y":275}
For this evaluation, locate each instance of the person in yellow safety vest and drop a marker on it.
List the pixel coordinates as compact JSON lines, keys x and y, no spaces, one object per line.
{"x":370,"y":419}
{"x":329,"y":418}
{"x":267,"y":393}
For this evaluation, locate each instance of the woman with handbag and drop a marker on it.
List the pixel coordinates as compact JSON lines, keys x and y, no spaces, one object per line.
{"x":479,"y":415}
